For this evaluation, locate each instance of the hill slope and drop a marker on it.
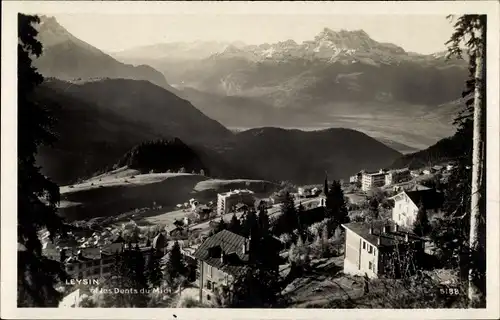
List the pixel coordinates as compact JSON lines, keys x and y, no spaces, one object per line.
{"x":304,"y":156}
{"x":447,"y":149}
{"x":98,"y":122}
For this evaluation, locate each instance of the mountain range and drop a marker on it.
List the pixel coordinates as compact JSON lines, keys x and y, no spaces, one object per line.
{"x":106,"y":108}
{"x":331,"y":79}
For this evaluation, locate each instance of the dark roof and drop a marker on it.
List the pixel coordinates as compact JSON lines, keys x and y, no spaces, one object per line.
{"x":118,"y":239}
{"x":429,"y":198}
{"x":387,"y":239}
{"x":231,"y":245}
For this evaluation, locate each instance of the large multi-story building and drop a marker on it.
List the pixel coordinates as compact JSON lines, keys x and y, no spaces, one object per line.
{"x":370,"y":248}
{"x":397,"y":176}
{"x":373,"y":180}
{"x":226,"y":201}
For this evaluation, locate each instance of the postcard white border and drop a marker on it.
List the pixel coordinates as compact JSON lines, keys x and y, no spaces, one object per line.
{"x":9,"y":149}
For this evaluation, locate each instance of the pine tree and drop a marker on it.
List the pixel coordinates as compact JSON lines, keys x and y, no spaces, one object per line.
{"x":249,"y":223}
{"x":288,"y":219}
{"x":263,"y":219}
{"x":325,"y":187}
{"x":422,"y":226}
{"x":37,"y":195}
{"x":153,"y":271}
{"x":374,"y":208}
{"x":175,"y":267}
{"x":234,"y":225}
{"x":335,"y":204}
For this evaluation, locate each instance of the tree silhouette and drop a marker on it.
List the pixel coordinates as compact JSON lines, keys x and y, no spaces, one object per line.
{"x":175,"y":267}
{"x":153,"y":271}
{"x":335,"y":205}
{"x":37,"y":195}
{"x":422,"y":226}
{"x":234,"y":225}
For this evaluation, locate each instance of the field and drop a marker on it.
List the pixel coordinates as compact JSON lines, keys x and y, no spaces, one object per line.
{"x":124,"y":190}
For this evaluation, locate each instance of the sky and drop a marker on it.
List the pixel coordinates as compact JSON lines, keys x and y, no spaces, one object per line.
{"x":417,"y":33}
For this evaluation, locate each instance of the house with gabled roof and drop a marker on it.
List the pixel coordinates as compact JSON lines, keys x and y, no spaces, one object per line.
{"x":407,"y":203}
{"x":221,"y":258}
{"x":371,"y":249}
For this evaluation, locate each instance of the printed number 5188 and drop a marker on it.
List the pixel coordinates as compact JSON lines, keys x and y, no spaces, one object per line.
{"x":449,"y":291}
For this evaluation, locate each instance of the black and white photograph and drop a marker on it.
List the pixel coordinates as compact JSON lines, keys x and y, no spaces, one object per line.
{"x":320,"y":160}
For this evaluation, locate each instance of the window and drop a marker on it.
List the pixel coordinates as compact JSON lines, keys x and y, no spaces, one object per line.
{"x":370,"y":249}
{"x":374,"y":251}
{"x":370,"y":265}
{"x":209,"y":269}
{"x":209,"y":285}
{"x":364,"y":245}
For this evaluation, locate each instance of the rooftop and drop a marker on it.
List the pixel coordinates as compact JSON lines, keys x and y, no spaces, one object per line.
{"x":387,"y":239}
{"x":430,"y":198}
{"x":227,"y":243}
{"x":234,"y":192}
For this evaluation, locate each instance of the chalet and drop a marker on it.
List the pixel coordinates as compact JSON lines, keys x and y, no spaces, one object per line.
{"x":428,"y":171}
{"x":202,"y":212}
{"x":304,"y":192}
{"x":407,"y":203}
{"x":221,"y":257}
{"x":437,"y":168}
{"x":370,"y":249}
{"x":415,"y":173}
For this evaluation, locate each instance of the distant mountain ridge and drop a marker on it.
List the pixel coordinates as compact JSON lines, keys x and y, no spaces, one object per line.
{"x":68,"y":58}
{"x":334,"y":75}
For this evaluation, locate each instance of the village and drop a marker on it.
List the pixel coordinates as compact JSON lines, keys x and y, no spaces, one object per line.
{"x":354,"y":251}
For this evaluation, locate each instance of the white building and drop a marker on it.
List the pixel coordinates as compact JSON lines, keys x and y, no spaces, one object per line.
{"x":303,"y":192}
{"x":397,"y":176}
{"x":406,"y":205}
{"x":373,"y":180}
{"x":226,"y":200}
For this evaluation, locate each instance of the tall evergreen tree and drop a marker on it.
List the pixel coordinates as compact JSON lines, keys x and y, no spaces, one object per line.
{"x":235,"y":225}
{"x":288,"y":219}
{"x":264,"y":223}
{"x":422,"y":226}
{"x":138,"y":271}
{"x":37,"y":195}
{"x":175,"y":267}
{"x":153,"y":271}
{"x":335,"y":205}
{"x":471,"y":30}
{"x":249,"y":223}
{"x":325,"y":187}
{"x":374,"y":208}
